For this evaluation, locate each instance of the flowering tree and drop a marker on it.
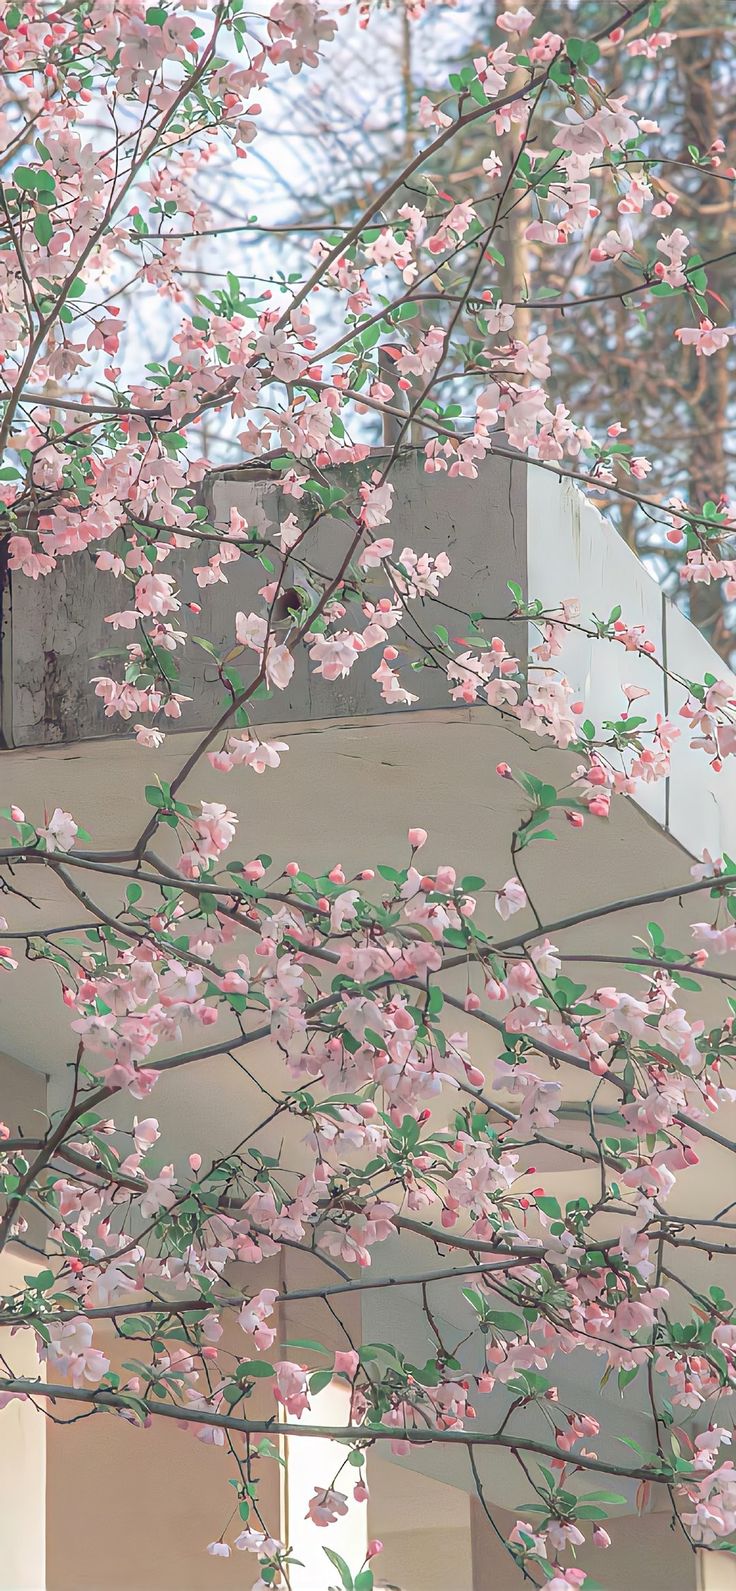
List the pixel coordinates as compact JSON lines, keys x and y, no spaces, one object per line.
{"x":112,"y":113}
{"x":683,"y":74}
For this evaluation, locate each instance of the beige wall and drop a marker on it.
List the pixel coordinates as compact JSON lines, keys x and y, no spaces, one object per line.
{"x":22,"y":1458}
{"x":424,"y":1526}
{"x":130,"y":1509}
{"x":646,"y":1554}
{"x":22,"y":1427}
{"x":716,"y":1571}
{"x":133,"y":1510}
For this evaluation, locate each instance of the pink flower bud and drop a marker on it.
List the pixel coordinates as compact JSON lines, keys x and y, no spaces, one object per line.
{"x":373,"y":1549}
{"x":503,"y":770}
{"x":601,"y":1537}
{"x":291,"y":869}
{"x":417,"y":838}
{"x":195,"y":1162}
{"x":253,"y":870}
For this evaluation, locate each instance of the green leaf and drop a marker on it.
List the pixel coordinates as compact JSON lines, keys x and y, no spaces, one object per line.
{"x":604,"y":1497}
{"x":505,"y":1320}
{"x":436,"y":1000}
{"x":43,"y":230}
{"x":319,"y":1381}
{"x":306,"y":1342}
{"x":341,"y":1566}
{"x":134,"y":1325}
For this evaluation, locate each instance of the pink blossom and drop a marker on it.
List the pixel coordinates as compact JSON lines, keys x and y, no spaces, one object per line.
{"x":215,"y":828}
{"x":325,"y":1507}
{"x":518,"y":21}
{"x":279,"y":666}
{"x":291,"y":1387}
{"x":154,"y":595}
{"x":511,"y":899}
{"x":706,"y":338}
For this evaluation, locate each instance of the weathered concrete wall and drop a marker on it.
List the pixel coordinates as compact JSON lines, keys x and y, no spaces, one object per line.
{"x":53,"y":629}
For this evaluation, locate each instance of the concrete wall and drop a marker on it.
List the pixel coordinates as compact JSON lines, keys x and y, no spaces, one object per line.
{"x":516,"y":522}
{"x":52,"y":629}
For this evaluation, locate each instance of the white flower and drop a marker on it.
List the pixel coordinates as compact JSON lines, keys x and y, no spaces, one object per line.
{"x":60,"y":832}
{"x":512,"y":898}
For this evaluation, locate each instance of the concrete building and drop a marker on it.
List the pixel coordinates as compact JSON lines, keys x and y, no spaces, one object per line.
{"x":100,"y":1507}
